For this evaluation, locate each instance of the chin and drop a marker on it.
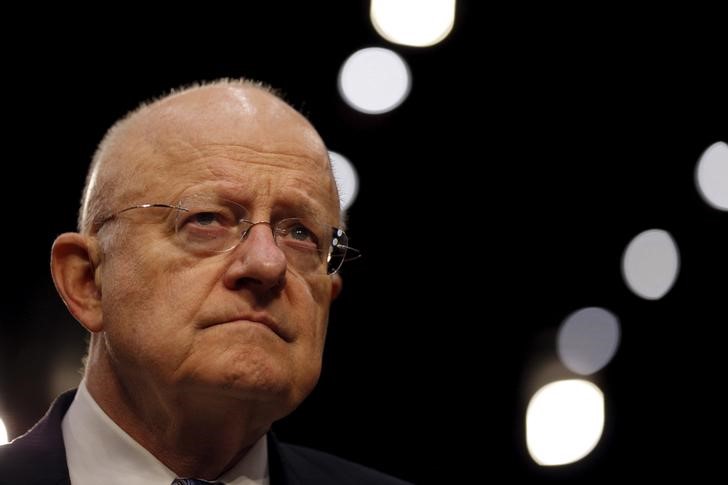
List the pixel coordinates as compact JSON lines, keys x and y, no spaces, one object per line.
{"x":281,"y":385}
{"x":265,"y":372}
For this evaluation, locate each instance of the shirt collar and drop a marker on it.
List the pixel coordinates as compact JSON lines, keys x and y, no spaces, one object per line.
{"x":99,"y":451}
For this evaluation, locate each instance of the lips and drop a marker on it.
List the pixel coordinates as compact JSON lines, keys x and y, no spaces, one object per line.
{"x":259,"y":318}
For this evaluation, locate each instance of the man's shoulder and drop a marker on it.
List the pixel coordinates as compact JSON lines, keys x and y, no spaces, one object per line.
{"x":31,"y":460}
{"x":38,"y":457}
{"x":313,"y":466}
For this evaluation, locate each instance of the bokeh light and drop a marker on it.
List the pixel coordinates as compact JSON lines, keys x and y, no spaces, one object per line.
{"x":3,"y":433}
{"x":347,"y":180}
{"x":588,"y":339}
{"x":564,"y":421}
{"x":374,"y":80}
{"x":711,"y":175}
{"x":418,"y":23}
{"x":650,"y":264}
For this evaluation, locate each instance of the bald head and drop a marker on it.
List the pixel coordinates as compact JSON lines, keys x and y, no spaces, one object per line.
{"x":225,"y":117}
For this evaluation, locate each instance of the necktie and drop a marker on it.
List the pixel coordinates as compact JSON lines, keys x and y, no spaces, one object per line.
{"x":193,"y":481}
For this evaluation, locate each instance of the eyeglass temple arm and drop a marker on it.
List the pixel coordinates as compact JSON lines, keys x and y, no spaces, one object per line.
{"x":145,"y":206}
{"x":106,"y":219}
{"x":351,"y":253}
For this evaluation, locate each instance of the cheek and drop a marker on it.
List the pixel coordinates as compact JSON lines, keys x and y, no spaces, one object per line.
{"x":148,"y":308}
{"x":152,"y":281}
{"x":311,"y":301}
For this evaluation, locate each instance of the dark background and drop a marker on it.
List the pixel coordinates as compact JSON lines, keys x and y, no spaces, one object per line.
{"x":494,"y":202}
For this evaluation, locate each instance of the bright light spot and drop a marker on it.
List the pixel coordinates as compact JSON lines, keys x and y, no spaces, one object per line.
{"x":711,"y":175}
{"x":346,"y":178}
{"x":374,"y":80}
{"x":564,"y":421}
{"x":419,"y":23}
{"x":650,"y":264}
{"x":588,"y":339}
{"x":3,"y":433}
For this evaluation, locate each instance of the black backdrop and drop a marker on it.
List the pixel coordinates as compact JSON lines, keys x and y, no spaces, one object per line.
{"x":494,"y":202}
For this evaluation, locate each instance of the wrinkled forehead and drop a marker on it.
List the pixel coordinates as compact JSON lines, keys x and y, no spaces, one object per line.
{"x":249,"y":129}
{"x":249,"y":118}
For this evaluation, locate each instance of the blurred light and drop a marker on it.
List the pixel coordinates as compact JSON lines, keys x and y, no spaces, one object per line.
{"x":374,"y":80}
{"x":346,"y":178}
{"x":711,"y":175}
{"x":588,"y":339}
{"x":3,"y":433}
{"x":564,"y":421}
{"x":418,"y":23}
{"x":650,"y":264}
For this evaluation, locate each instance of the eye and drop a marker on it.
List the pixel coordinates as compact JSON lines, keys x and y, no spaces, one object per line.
{"x":206,"y":223}
{"x":300,"y":233}
{"x":209,"y":224}
{"x":209,"y":217}
{"x":203,"y":218}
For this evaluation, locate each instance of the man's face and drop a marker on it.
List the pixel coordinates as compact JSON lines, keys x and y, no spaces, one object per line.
{"x":243,"y":323}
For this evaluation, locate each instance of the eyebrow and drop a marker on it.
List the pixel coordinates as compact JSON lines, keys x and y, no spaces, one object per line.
{"x":299,"y":204}
{"x":301,"y":207}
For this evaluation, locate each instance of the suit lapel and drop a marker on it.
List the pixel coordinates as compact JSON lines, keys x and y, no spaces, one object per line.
{"x":39,"y":456}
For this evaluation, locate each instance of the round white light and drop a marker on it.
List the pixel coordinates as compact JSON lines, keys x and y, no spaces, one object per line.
{"x":564,"y":421}
{"x":3,"y":433}
{"x":346,"y":178}
{"x":711,"y":175}
{"x":650,"y":264}
{"x":418,"y":23}
{"x":588,"y":339}
{"x":374,"y":80}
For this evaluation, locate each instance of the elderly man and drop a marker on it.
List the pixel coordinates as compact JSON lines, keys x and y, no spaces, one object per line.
{"x":204,"y":270}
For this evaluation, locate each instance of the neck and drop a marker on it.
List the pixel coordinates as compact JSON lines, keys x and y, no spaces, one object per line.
{"x":200,"y":435}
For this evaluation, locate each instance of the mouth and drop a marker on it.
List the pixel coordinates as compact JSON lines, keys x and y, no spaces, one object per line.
{"x":263,"y":320}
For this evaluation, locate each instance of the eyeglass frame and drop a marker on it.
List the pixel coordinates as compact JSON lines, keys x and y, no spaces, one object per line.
{"x":349,"y":254}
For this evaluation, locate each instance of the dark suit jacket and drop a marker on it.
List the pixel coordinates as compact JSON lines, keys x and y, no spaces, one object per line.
{"x":39,"y":458}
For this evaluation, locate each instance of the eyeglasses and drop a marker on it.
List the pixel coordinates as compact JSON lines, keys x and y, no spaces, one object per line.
{"x":207,"y":224}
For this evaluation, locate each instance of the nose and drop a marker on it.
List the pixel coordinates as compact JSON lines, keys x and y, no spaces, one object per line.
{"x":259,"y":265}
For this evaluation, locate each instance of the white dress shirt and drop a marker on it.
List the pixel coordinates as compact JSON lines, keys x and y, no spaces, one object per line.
{"x":99,"y":451}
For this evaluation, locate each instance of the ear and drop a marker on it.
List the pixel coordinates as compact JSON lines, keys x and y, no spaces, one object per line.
{"x":74,"y":261}
{"x":336,"y":285}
